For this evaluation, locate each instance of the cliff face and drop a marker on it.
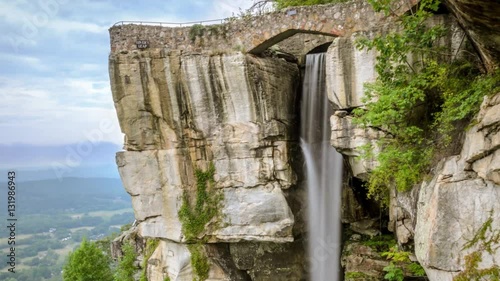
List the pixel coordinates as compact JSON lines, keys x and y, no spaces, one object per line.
{"x":445,"y":214}
{"x":184,"y":113}
{"x":460,"y":199}
{"x":479,"y":18}
{"x":229,"y":121}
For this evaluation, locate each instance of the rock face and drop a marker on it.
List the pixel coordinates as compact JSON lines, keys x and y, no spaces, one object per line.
{"x":441,"y":215}
{"x":460,"y":199}
{"x":183,"y":112}
{"x":347,"y":69}
{"x":360,"y":262}
{"x":480,"y":20}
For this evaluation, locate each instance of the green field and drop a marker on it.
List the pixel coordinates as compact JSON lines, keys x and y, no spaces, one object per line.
{"x":104,"y":214}
{"x":73,"y":209}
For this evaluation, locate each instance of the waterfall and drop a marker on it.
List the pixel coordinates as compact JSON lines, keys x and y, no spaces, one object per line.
{"x":323,"y":174}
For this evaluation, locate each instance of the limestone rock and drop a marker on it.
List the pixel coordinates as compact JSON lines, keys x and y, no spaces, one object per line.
{"x":459,"y":200}
{"x":480,"y":19}
{"x":370,"y":227}
{"x":260,"y":213}
{"x":481,"y":149}
{"x":151,"y":177}
{"x":154,"y":180}
{"x":349,"y":138}
{"x":166,"y":100}
{"x":452,"y":208}
{"x":352,"y":210}
{"x":362,"y":261}
{"x":271,"y":261}
{"x":347,"y":69}
{"x":173,"y":260}
{"x":129,"y":236}
{"x":403,"y":214}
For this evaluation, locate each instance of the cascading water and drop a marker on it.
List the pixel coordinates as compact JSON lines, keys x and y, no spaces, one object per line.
{"x":323,"y":174}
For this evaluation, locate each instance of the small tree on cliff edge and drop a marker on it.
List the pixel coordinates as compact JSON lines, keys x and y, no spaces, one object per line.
{"x":87,"y":263}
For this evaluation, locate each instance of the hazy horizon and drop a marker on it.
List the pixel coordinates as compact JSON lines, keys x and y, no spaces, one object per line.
{"x":57,"y":107}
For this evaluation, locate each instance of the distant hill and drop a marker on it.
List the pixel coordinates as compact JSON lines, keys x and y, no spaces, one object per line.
{"x":70,"y":195}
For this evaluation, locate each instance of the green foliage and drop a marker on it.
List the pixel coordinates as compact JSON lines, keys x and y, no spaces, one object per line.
{"x":487,"y":240}
{"x":472,"y":273}
{"x":418,"y":90}
{"x":125,"y":227}
{"x":87,"y":263}
{"x":394,"y":273}
{"x":355,"y":275}
{"x":197,"y":30}
{"x":166,"y":279}
{"x":207,"y":205}
{"x":199,"y":261}
{"x":126,"y":268}
{"x":151,"y":245}
{"x":280,"y":4}
{"x":416,"y":269}
{"x":400,"y":260}
{"x":395,"y":255}
{"x":381,"y":243}
{"x":463,"y":90}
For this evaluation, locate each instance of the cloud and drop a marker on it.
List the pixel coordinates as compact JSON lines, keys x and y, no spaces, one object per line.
{"x":27,"y":61}
{"x":228,"y":8}
{"x":64,"y":26}
{"x":54,"y":82}
{"x":52,"y":111}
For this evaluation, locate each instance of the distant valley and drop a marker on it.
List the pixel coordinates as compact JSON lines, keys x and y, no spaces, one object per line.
{"x":54,"y":215}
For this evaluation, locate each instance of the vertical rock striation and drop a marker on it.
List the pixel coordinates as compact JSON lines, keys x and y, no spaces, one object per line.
{"x":186,"y":112}
{"x":462,"y":196}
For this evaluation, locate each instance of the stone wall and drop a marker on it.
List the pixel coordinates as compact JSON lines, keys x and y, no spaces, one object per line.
{"x":256,"y":34}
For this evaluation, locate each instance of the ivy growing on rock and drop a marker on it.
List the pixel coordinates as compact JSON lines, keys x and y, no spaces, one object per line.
{"x":151,"y":245}
{"x":126,"y":264}
{"x":486,"y":240}
{"x":195,"y":216}
{"x":421,"y":92}
{"x":197,"y":30}
{"x":280,"y":4}
{"x":199,"y":261}
{"x":400,"y":265}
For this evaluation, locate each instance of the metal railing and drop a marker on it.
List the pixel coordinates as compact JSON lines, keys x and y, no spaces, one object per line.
{"x":171,"y":24}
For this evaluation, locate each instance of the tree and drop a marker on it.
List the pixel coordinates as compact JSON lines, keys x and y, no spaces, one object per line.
{"x":126,"y":268}
{"x":87,"y":263}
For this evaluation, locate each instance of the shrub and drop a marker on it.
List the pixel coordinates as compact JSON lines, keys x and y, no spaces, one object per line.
{"x":87,"y":263}
{"x":126,"y":268}
{"x":417,"y":99}
{"x":280,"y":4}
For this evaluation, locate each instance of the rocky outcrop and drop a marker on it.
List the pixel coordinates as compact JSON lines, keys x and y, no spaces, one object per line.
{"x":443,"y":214}
{"x":480,"y":20}
{"x":463,"y":195}
{"x":183,"y":113}
{"x":361,"y":262}
{"x":347,"y":70}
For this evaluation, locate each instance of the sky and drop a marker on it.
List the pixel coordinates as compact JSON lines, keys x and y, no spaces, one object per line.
{"x":54,"y":83}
